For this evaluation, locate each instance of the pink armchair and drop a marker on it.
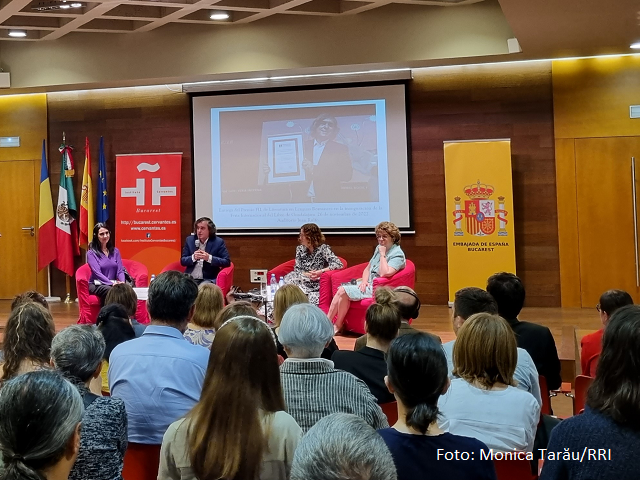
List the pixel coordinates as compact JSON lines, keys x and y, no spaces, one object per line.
{"x":354,"y":320}
{"x":288,"y":266}
{"x":89,"y":305}
{"x":224,"y":279}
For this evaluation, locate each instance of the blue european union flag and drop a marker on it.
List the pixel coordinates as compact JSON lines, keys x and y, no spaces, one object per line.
{"x":103,"y":196}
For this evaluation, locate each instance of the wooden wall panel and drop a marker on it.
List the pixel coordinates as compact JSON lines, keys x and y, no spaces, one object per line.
{"x":474,"y":102}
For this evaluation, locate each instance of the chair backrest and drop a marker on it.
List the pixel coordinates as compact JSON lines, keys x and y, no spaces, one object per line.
{"x":174,"y":266}
{"x":544,"y":393}
{"x":390,"y":409}
{"x":83,"y":273}
{"x":592,"y":365}
{"x":582,"y":385}
{"x":141,"y":462}
{"x":138,"y":271}
{"x":513,"y":469}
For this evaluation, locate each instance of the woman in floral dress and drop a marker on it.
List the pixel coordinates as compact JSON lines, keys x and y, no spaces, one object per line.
{"x":313,"y":258}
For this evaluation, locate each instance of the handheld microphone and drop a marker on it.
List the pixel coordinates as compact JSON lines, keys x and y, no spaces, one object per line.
{"x":201,"y":262}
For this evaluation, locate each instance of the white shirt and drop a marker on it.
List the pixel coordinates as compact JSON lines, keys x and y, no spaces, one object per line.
{"x":504,"y":420}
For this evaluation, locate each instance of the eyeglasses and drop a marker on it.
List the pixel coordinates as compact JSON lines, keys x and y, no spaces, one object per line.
{"x":598,"y":307}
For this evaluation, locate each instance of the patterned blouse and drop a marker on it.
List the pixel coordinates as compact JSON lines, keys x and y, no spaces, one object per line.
{"x":321,"y":257}
{"x":202,"y":337}
{"x":103,"y":439}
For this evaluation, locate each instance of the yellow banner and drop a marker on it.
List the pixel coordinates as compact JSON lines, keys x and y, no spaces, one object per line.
{"x":480,"y":232}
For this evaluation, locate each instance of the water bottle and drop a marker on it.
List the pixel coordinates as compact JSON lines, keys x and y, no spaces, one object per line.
{"x":153,"y":277}
{"x":281,"y":282}
{"x":273,"y":286}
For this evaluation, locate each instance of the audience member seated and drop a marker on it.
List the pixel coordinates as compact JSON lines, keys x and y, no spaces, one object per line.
{"x":124,"y":294}
{"x":591,"y":344}
{"x":417,"y":378}
{"x":339,"y":447}
{"x":27,"y":340}
{"x":29,"y":296}
{"x":113,"y":324}
{"x":209,"y":302}
{"x":242,"y":396}
{"x":232,"y":310}
{"x":104,"y":261}
{"x":312,"y":387}
{"x":77,"y":353}
{"x":159,"y":375}
{"x":407,"y":302}
{"x":483,"y":403}
{"x":284,"y":298}
{"x":471,"y":300}
{"x":508,"y":291}
{"x":204,"y":254}
{"x":611,"y":419}
{"x":313,"y":258}
{"x":40,"y":415}
{"x":387,"y":259}
{"x":369,"y":364}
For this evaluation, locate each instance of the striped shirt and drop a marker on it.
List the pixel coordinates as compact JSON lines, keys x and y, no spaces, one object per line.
{"x":314,"y":389}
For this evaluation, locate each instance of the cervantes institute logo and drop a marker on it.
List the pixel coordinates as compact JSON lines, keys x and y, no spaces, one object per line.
{"x":480,"y":212}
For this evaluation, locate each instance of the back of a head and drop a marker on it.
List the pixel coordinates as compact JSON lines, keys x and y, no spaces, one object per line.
{"x":171,"y":296}
{"x":612,"y":300}
{"x":417,"y":370}
{"x":407,"y":302}
{"x":39,"y":414}
{"x":234,"y":309}
{"x":77,"y":351}
{"x":615,"y":391}
{"x":29,"y":296}
{"x":28,"y":335}
{"x":285,"y":297}
{"x":123,"y":294}
{"x":114,"y":326}
{"x":342,"y":446}
{"x":508,"y":291}
{"x":383,"y":317}
{"x":305,"y":331}
{"x":471,"y":300}
{"x":209,"y":302}
{"x":485,"y":351}
{"x":242,"y":382}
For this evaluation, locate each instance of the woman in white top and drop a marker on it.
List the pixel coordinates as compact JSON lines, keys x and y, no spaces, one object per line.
{"x":483,"y":401}
{"x":242,"y":397}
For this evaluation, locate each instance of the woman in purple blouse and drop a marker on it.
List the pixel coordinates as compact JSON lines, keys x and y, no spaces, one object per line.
{"x":105,"y":263}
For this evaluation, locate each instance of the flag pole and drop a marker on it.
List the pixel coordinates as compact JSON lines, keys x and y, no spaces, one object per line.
{"x":68,"y":298}
{"x":49,"y":298}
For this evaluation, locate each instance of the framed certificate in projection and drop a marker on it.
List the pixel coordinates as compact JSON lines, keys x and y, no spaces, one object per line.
{"x":285,"y":155}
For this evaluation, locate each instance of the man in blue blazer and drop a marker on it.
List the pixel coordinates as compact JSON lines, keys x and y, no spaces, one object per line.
{"x":204,"y":253}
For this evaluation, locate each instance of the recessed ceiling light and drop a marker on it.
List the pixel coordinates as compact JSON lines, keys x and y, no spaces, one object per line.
{"x":76,"y":5}
{"x":65,"y":6}
{"x":17,"y":33}
{"x":635,"y":46}
{"x":219,"y":16}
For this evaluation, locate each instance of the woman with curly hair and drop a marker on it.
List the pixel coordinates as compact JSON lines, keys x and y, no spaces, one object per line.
{"x":388,"y":258}
{"x":27,"y":340}
{"x":313,"y":258}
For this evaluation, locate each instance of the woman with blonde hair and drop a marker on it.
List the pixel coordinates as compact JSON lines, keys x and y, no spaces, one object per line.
{"x":232,"y":310}
{"x":388,"y":258}
{"x":27,"y":340}
{"x":313,"y":258}
{"x":286,"y":297}
{"x":200,"y":330}
{"x":483,"y":401}
{"x":239,"y":429}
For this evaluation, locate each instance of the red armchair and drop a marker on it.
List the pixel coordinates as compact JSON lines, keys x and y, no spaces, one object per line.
{"x":89,"y":305}
{"x":288,"y":266}
{"x":224,"y":279}
{"x":354,"y":320}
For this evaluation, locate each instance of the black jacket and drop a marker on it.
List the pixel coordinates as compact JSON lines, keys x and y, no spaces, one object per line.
{"x":369,"y":365}
{"x":215,"y":247}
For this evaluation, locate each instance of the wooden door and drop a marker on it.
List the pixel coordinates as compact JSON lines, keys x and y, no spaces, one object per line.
{"x":606,"y":226}
{"x":18,"y":248}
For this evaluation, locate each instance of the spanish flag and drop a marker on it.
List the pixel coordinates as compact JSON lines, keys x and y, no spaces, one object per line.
{"x":86,"y":201}
{"x":46,"y":225}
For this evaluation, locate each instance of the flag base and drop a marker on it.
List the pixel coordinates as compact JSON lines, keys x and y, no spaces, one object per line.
{"x":68,"y":299}
{"x":53,"y":299}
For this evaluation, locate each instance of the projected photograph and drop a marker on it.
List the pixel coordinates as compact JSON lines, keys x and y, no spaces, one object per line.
{"x":324,"y":154}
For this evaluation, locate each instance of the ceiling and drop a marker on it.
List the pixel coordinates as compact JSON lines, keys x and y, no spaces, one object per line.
{"x":51,"y":19}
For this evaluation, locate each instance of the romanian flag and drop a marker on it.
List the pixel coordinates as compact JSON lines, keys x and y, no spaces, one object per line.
{"x":66,"y":224}
{"x":86,"y":201}
{"x":103,"y":196}
{"x":46,"y":223}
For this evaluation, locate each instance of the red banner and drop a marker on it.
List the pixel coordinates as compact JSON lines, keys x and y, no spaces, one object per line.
{"x":148,"y":208}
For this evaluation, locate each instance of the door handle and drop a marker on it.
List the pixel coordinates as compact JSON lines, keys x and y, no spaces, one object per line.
{"x":31,"y":229}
